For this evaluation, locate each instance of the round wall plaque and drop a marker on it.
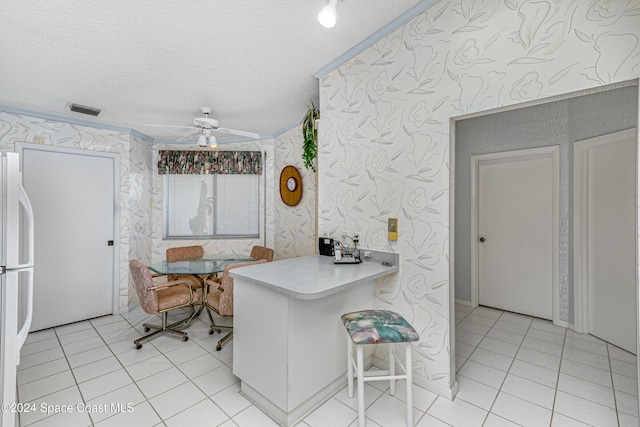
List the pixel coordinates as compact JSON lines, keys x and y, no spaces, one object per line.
{"x":290,"y":186}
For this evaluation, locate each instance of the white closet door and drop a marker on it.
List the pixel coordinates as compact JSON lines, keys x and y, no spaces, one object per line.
{"x":611,"y":241}
{"x":73,"y":199}
{"x":515,"y":234}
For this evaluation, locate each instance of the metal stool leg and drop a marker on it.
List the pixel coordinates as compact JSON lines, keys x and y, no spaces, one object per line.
{"x":349,"y":367}
{"x":360,"y":366}
{"x":409,"y":382}
{"x":392,"y":370}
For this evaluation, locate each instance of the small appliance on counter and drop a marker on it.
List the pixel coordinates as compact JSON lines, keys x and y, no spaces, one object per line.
{"x":325,"y":246}
{"x":342,"y":257}
{"x":330,"y":247}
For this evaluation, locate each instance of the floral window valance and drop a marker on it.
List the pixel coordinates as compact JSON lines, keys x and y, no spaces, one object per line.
{"x":209,"y":162}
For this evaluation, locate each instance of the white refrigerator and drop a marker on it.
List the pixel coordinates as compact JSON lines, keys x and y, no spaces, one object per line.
{"x":16,"y":280}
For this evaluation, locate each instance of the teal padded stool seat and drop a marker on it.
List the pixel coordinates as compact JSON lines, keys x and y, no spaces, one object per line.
{"x":378,"y":327}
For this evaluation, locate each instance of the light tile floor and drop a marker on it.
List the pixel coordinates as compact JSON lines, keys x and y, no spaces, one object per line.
{"x":512,"y":370}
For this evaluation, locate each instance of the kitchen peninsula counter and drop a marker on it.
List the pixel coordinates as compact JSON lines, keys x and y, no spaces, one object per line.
{"x":289,"y":345}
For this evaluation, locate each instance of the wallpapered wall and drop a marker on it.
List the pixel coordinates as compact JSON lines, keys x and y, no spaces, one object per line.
{"x":384,"y":137}
{"x":295,"y":227}
{"x":16,"y":128}
{"x":141,"y":191}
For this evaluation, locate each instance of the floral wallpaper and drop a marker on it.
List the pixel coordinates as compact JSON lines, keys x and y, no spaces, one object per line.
{"x":16,"y":128}
{"x":141,"y":191}
{"x":295,"y":226}
{"x":384,"y":137}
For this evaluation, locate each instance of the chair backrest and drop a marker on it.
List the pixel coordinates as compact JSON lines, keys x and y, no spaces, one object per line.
{"x":185,"y":252}
{"x":260,"y":252}
{"x":226,"y":283}
{"x":143,"y":280}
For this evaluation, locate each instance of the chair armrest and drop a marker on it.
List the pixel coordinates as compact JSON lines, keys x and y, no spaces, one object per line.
{"x":171,"y":284}
{"x":213,"y":284}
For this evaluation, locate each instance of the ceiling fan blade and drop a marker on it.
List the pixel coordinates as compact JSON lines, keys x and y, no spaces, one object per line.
{"x":238,"y":132}
{"x":169,"y":126}
{"x":187,"y":135}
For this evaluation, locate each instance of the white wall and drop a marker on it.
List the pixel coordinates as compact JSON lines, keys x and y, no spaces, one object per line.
{"x":384,"y":137}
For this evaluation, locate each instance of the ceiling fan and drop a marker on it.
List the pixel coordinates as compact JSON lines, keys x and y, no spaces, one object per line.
{"x":205,"y":126}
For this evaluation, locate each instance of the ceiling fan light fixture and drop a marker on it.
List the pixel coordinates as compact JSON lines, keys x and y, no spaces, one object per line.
{"x":328,"y":14}
{"x":213,"y":142}
{"x":202,"y":141}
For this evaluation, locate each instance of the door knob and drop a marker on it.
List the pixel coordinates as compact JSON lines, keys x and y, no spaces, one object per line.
{"x":482,"y":239}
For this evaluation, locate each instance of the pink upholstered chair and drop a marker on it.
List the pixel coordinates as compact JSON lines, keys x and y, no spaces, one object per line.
{"x":220,"y":300}
{"x":260,"y":252}
{"x":160,"y":298}
{"x":183,"y":253}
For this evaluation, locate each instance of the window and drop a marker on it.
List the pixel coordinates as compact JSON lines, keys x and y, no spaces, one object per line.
{"x":211,"y":206}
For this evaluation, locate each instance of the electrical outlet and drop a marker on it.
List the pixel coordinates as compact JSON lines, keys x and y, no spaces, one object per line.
{"x":392,"y":228}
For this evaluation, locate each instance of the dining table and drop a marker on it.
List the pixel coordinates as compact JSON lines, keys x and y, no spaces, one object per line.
{"x":202,"y":268}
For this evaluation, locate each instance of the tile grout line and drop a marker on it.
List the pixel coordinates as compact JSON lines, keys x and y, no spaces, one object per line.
{"x":125,"y":370}
{"x":490,"y":411}
{"x":74,"y":376}
{"x":613,"y":387}
{"x":565,"y":335}
{"x":555,"y":392}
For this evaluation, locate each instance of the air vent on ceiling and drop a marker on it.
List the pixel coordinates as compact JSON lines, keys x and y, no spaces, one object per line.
{"x":82,"y":109}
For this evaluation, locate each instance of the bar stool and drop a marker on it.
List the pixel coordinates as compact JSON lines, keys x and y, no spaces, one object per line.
{"x":378,"y":327}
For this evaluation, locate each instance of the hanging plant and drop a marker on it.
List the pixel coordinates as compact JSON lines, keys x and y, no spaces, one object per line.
{"x":310,"y":137}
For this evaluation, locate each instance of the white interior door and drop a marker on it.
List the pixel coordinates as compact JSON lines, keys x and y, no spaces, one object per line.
{"x":610,"y":227}
{"x":516,"y":231}
{"x":73,"y":199}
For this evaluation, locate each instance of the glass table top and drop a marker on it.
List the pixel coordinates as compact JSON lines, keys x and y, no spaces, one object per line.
{"x":208,"y":264}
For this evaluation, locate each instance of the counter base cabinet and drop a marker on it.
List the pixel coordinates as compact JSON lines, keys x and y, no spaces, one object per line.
{"x":290,"y":353}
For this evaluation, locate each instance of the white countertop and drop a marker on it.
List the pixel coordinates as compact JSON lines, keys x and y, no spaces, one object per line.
{"x":311,"y":276}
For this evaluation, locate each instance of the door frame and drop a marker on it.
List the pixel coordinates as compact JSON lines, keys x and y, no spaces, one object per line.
{"x":115,"y":297}
{"x":580,"y":223}
{"x":551,"y":152}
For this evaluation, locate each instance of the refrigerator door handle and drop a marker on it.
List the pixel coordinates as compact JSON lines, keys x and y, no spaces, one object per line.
{"x":24,"y":330}
{"x":26,"y":203}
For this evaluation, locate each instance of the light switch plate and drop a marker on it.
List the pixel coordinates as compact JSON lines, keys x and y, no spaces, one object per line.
{"x":392,"y":228}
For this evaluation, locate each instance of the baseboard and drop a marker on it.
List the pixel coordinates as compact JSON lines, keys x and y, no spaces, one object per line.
{"x":129,"y":308}
{"x":463,"y":302}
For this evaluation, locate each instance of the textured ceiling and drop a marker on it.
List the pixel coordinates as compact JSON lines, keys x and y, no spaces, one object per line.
{"x":158,"y":62}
